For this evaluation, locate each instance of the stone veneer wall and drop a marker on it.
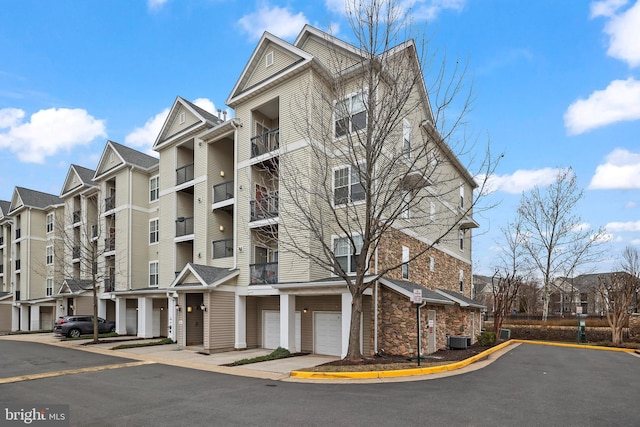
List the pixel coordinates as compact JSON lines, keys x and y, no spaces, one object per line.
{"x":397,"y":323}
{"x":446,"y":271}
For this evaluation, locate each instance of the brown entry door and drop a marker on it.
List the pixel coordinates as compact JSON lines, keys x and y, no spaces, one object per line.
{"x":194,"y":320}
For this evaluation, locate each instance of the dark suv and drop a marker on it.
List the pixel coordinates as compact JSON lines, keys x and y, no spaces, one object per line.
{"x":74,"y":326}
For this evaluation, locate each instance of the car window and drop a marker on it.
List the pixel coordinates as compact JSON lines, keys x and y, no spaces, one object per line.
{"x":101,"y":320}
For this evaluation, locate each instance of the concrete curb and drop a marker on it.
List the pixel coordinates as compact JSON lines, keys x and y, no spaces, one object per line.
{"x":584,"y":346}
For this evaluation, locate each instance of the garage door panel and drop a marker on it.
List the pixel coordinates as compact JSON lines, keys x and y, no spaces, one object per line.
{"x":328,"y":333}
{"x":271,"y":330}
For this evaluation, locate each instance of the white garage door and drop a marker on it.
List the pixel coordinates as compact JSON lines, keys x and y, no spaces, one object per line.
{"x":271,"y":330}
{"x":328,"y":333}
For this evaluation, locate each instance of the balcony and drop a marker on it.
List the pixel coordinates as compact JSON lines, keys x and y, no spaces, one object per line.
{"x":184,"y":226}
{"x":265,"y":143}
{"x":110,"y":203}
{"x":265,"y":207}
{"x":184,"y":174}
{"x":94,"y":231}
{"x":222,"y":192}
{"x":75,"y":252}
{"x":17,"y":233}
{"x":1,"y":240}
{"x":17,"y":295}
{"x":1,"y":268}
{"x":109,"y":284}
{"x":110,"y":244}
{"x":263,"y":273}
{"x":17,"y":265}
{"x":76,"y":217}
{"x":222,"y":248}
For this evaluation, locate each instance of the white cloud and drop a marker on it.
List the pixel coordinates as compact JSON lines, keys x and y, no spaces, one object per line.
{"x":420,"y":10}
{"x":279,"y":21}
{"x":47,"y":132}
{"x":623,"y":226}
{"x":622,"y":30}
{"x":156,"y":4}
{"x":630,"y":205}
{"x":521,"y":180}
{"x":621,"y":170}
{"x":144,"y":137}
{"x":620,"y":101}
{"x":606,"y":8}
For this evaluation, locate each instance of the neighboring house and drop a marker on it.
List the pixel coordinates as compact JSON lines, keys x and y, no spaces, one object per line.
{"x":6,"y":290}
{"x":192,"y":245}
{"x":34,"y":244}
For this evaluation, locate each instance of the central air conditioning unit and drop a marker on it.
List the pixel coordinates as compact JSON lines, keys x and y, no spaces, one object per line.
{"x":458,"y":342}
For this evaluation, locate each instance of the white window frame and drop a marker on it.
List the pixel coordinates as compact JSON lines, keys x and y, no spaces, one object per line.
{"x":350,"y":262}
{"x":49,"y":254}
{"x":461,"y":280}
{"x":432,"y":211}
{"x":406,"y":201}
{"x":406,"y":138}
{"x":348,"y":112}
{"x":49,"y":221}
{"x":461,"y":234}
{"x":182,"y":117}
{"x":154,"y":191}
{"x":153,"y":274}
{"x":350,"y":185}
{"x":49,"y":286}
{"x":432,"y":264}
{"x":461,"y":196}
{"x":405,"y":262}
{"x":154,"y":233}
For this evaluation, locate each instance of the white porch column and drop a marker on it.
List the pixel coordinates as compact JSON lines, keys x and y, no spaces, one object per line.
{"x":346,"y":322}
{"x":172,"y":318}
{"x":241,"y":322}
{"x":288,"y":322}
{"x":145,"y":317}
{"x":121,"y":316}
{"x":15,"y":318}
{"x":24,"y":317}
{"x":34,"y":321}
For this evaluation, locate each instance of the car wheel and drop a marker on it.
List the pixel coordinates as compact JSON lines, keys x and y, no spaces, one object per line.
{"x":74,"y":333}
{"x":112,"y":330}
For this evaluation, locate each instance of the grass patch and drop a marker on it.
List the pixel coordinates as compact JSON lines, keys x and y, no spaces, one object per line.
{"x":84,"y":337}
{"x":144,"y":344}
{"x":278,"y":353}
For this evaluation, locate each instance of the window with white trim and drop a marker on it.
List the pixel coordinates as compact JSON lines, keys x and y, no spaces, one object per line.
{"x":461,"y":196}
{"x":346,"y":185}
{"x":406,"y":201}
{"x":461,"y":279}
{"x":432,"y":211}
{"x":153,"y":231}
{"x":49,"y":222}
{"x":153,"y":273}
{"x":350,"y":115}
{"x":406,"y":138}
{"x":154,"y":188}
{"x":346,"y":253}
{"x":268,"y":59}
{"x":49,"y":253}
{"x":49,"y":286}
{"x":405,"y":263}
{"x":432,"y":264}
{"x":461,"y":237}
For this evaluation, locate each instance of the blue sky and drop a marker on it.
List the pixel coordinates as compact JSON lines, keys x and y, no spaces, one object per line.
{"x":557,"y":84}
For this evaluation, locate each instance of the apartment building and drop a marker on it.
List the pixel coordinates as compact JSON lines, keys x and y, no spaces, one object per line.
{"x":197,"y":245}
{"x":6,"y":292}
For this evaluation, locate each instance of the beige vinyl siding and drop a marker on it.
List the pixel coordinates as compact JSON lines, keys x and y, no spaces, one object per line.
{"x":221,"y":313}
{"x":139,"y":249}
{"x":318,"y":48}
{"x":176,"y":126}
{"x":83,"y":305}
{"x":5,"y":317}
{"x":166,"y":217}
{"x":252,"y":322}
{"x":109,"y":163}
{"x":314,"y":303}
{"x":281,"y":60}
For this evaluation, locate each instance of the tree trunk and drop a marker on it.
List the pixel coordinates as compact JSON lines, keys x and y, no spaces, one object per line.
{"x":353,"y":352}
{"x":95,"y":313}
{"x":545,"y":302}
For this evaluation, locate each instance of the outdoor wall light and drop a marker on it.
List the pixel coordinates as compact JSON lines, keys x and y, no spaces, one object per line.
{"x":221,"y":228}
{"x":222,"y":174}
{"x":61,"y":307}
{"x":305,"y":309}
{"x":178,"y":307}
{"x":203,"y":307}
{"x":71,"y":307}
{"x":189,"y":309}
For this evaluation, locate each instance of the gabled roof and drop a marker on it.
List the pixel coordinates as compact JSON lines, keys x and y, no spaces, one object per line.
{"x":78,"y":178}
{"x":199,"y":119}
{"x":75,"y":286}
{"x":460,"y":299}
{"x":197,"y":275}
{"x":126,"y":157}
{"x":24,"y":197}
{"x":406,"y":288}
{"x":4,"y":208}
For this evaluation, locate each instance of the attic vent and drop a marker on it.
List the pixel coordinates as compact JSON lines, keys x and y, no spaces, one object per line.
{"x":182,"y":118}
{"x":269,"y":59}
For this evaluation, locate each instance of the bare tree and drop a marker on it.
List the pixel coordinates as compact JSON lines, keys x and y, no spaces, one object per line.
{"x":84,"y":242}
{"x":618,"y":292}
{"x":556,"y":240}
{"x":378,"y":155}
{"x":529,"y":297}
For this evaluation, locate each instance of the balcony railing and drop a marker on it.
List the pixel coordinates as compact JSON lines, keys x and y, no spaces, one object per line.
{"x":17,"y":295}
{"x":263,"y":273}
{"x":76,"y":217}
{"x":265,"y":207}
{"x":94,"y":231}
{"x":1,"y":268}
{"x":184,"y":226}
{"x":184,"y":174}
{"x":17,"y":264}
{"x":110,"y":203}
{"x":1,"y":240}
{"x":17,"y":233}
{"x":109,"y":284}
{"x":75,"y":252}
{"x":222,"y":192}
{"x":265,"y":143}
{"x":110,"y":244}
{"x":222,"y":248}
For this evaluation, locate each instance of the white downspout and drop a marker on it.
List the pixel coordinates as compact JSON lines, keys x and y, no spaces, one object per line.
{"x":129,"y":225}
{"x":235,"y":193}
